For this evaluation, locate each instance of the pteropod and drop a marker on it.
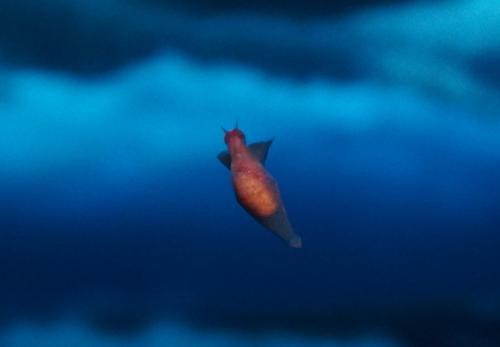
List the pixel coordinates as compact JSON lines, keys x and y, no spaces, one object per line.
{"x":256,"y":190}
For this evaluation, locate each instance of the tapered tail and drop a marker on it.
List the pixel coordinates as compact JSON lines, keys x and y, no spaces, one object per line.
{"x":295,"y":242}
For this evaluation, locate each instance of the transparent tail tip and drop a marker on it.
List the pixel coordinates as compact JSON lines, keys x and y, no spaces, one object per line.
{"x":295,"y":242}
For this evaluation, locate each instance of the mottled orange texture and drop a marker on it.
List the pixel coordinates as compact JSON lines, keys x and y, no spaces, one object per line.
{"x":256,"y":193}
{"x":255,"y":188}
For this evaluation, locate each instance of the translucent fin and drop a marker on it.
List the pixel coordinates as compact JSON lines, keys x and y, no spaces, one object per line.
{"x":260,"y":149}
{"x":225,"y":159}
{"x":278,"y":223}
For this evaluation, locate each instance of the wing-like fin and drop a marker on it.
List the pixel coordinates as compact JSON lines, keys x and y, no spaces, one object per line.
{"x":278,"y":223}
{"x":225,"y":158}
{"x":260,"y":149}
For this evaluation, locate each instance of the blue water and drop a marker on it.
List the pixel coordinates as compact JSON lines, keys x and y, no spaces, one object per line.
{"x":119,"y":225}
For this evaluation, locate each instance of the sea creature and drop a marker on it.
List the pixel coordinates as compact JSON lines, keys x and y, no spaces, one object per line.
{"x":255,"y":189}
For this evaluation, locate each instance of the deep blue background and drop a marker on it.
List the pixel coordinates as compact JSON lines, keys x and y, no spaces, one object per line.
{"x":115,"y":210}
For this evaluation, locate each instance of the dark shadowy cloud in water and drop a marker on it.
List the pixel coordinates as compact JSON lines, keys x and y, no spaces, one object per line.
{"x":89,"y":37}
{"x":92,"y":38}
{"x":294,"y":9}
{"x":366,"y":41}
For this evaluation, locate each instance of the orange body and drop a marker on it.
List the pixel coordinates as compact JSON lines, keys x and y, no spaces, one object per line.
{"x":255,"y":189}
